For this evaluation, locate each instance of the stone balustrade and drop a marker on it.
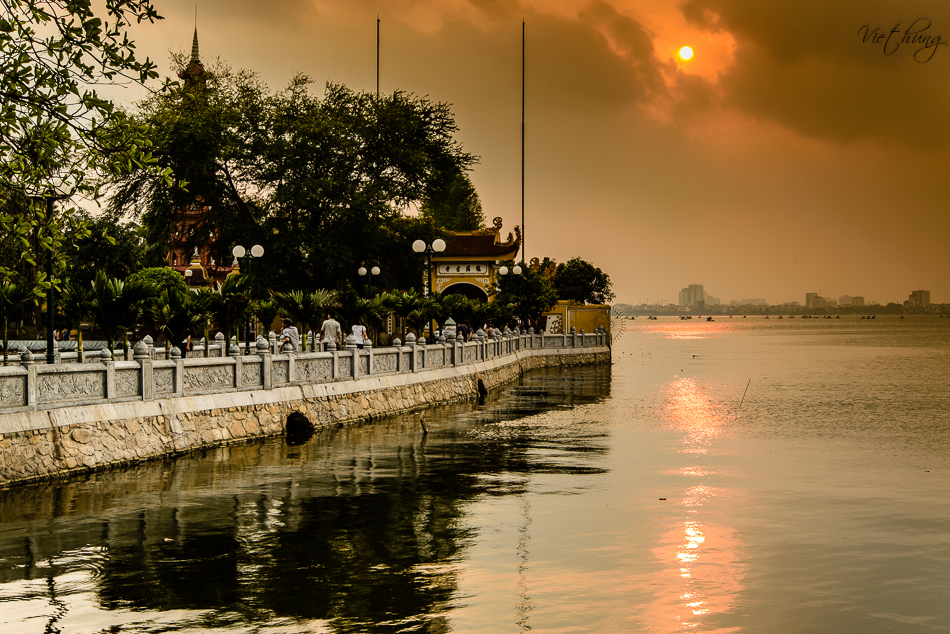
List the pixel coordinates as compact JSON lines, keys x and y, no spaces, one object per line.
{"x":96,"y":377}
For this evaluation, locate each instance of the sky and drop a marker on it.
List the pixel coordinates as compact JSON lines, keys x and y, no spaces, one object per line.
{"x":803,"y":148}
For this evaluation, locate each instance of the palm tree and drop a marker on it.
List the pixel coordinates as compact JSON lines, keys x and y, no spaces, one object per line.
{"x":231,"y":302}
{"x":405,"y":303}
{"x":353,"y":309}
{"x":12,"y":296}
{"x":305,"y":308}
{"x":118,"y":305}
{"x":179,"y":313}
{"x":265,"y":311}
{"x":76,"y":305}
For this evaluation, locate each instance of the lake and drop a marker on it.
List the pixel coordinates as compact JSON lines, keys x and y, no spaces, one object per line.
{"x":742,"y":475}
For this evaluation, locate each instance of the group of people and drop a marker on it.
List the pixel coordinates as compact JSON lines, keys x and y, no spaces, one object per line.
{"x":329,"y":331}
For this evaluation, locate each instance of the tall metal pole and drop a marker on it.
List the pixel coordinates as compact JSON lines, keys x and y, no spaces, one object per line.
{"x":377,"y":56}
{"x":50,"y":298}
{"x":523,"y":251}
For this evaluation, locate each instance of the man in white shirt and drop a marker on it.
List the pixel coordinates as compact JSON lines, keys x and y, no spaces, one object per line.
{"x":330,"y":331}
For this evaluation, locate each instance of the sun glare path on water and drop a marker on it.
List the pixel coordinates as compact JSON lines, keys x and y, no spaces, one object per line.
{"x":686,"y":52}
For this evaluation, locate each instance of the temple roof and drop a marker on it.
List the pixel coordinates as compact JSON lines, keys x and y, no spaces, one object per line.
{"x":486,"y":244}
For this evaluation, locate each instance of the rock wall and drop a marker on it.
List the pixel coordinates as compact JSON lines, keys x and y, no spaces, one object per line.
{"x":79,"y":439}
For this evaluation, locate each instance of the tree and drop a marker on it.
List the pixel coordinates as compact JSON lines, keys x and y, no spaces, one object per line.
{"x":52,"y":55}
{"x":12,"y":295}
{"x":454,"y":204}
{"x":105,"y":245}
{"x":179,"y":313}
{"x":118,"y":305}
{"x":582,"y":282}
{"x":75,"y":305}
{"x":305,"y":309}
{"x":529,"y":295}
{"x":161,"y":277}
{"x":231,"y":301}
{"x":322,"y":181}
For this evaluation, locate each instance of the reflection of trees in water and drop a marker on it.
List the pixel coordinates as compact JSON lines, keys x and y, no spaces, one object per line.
{"x":362,"y":526}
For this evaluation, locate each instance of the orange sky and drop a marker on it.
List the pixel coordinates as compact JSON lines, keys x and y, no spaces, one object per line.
{"x":788,"y":156}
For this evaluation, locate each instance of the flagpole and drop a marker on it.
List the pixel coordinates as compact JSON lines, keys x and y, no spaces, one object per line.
{"x":523,"y":251}
{"x":377,"y":56}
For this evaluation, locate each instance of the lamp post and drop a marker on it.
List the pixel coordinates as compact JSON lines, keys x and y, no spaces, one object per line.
{"x":50,"y":197}
{"x":437,"y":246}
{"x":242,"y":254}
{"x":515,"y":270}
{"x":369,"y":280}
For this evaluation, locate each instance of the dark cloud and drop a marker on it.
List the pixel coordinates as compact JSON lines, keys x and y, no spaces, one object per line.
{"x":806,"y":66}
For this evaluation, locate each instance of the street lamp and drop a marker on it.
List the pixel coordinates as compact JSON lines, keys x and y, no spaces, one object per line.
{"x":369,"y":280}
{"x":50,"y":197}
{"x":515,"y":270}
{"x":241,"y":254}
{"x":438,"y":246}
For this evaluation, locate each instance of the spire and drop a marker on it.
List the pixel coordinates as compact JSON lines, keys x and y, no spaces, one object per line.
{"x":194,"y":48}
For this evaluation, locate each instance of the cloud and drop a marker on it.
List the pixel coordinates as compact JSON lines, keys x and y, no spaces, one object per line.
{"x":805,"y":65}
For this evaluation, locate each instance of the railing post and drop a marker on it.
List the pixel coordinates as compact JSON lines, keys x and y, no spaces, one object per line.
{"x":140,"y":353}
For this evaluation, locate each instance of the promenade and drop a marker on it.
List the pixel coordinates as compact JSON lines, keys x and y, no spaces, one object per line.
{"x":73,"y":417}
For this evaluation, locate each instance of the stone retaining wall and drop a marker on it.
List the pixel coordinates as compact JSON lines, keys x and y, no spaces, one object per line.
{"x":38,"y":445}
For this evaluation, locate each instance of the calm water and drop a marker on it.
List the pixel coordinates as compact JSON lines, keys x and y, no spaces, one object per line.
{"x":636,"y":498}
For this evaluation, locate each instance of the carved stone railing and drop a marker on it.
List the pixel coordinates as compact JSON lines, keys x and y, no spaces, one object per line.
{"x":96,"y":377}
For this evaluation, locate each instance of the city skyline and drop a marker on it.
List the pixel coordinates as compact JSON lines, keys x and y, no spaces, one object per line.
{"x":772,"y":160}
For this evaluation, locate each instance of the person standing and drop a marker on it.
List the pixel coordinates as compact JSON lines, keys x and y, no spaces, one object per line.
{"x":289,"y":335}
{"x":359,"y":333}
{"x":330,"y":331}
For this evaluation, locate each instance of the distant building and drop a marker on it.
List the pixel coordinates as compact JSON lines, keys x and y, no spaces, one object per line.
{"x":693,"y":296}
{"x":918,"y":299}
{"x":814,"y":300}
{"x":755,"y":301}
{"x":857,"y":300}
{"x":713,"y":301}
{"x":845,"y":300}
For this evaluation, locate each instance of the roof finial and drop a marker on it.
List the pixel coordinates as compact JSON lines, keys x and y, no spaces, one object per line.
{"x":194,"y":47}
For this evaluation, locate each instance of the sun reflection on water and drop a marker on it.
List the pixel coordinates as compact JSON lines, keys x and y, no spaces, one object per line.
{"x":699,"y":574}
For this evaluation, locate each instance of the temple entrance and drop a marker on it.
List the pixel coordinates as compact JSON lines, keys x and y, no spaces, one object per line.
{"x":471,"y":291}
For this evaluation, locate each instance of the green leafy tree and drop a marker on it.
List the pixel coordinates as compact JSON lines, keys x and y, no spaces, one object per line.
{"x":161,"y":277}
{"x":230,"y":303}
{"x":55,"y":130}
{"x":12,"y":295}
{"x":107,"y":245}
{"x":306,"y":309}
{"x":265,"y":311}
{"x":118,"y":305}
{"x":179,"y":313}
{"x":582,"y":282}
{"x":528,"y":295}
{"x":454,"y":204}
{"x":323,"y":181}
{"x":75,"y":305}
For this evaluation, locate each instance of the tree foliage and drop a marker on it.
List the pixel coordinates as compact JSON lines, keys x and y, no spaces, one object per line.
{"x":320,"y":182}
{"x":528,"y":295}
{"x":582,"y":282}
{"x":53,"y":53}
{"x":454,"y":204}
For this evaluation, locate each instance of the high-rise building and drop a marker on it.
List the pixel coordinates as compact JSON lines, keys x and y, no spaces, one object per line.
{"x":692,"y":296}
{"x":845,"y":300}
{"x":918,"y":298}
{"x":814,"y":300}
{"x":857,"y":300}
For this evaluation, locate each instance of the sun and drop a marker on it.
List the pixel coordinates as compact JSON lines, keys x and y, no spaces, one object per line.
{"x":686,"y":52}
